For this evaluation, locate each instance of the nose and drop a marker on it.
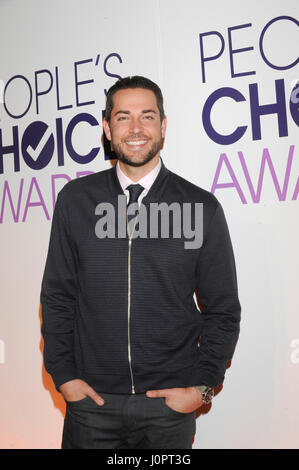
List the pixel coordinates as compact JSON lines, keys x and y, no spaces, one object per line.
{"x":135,"y":125}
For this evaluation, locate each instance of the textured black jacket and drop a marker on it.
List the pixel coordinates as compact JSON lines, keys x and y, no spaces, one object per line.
{"x":121,"y":315}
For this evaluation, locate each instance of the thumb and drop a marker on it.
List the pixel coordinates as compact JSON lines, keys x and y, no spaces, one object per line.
{"x":95,"y":396}
{"x":157,"y":393}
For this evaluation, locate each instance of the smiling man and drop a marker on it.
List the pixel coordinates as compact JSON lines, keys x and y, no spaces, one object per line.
{"x":125,"y":343}
{"x":136,"y":130}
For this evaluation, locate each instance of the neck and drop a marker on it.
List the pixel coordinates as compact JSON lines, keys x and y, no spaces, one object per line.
{"x":136,"y":173}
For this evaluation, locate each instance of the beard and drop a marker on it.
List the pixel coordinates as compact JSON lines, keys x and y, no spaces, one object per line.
{"x":128,"y":160}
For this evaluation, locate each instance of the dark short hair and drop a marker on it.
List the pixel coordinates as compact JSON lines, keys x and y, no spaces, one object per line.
{"x":133,"y":82}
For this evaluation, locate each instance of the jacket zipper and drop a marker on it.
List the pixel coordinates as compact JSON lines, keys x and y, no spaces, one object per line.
{"x":129,"y":306}
{"x":129,"y":314}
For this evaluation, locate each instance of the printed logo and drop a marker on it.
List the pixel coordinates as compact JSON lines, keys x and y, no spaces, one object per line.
{"x":160,"y":220}
{"x":294,"y":103}
{"x":37,"y":145}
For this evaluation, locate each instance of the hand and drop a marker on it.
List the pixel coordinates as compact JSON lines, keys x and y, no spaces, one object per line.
{"x":183,"y":400}
{"x":77,"y":389}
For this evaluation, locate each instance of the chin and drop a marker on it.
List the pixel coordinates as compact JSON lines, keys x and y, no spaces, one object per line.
{"x":136,"y":163}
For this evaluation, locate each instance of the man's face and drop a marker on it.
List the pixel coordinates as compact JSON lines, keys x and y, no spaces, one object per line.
{"x":135,"y":129}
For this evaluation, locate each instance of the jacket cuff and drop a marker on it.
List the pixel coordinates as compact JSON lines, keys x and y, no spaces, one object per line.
{"x":63,"y":374}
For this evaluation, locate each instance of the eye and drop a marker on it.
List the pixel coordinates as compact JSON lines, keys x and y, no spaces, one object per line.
{"x":122,"y":118}
{"x":148,"y":117}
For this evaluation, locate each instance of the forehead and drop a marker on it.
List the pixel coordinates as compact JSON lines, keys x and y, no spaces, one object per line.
{"x":134,"y":99}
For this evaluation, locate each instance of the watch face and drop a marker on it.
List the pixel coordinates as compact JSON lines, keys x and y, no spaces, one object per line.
{"x":206,"y":392}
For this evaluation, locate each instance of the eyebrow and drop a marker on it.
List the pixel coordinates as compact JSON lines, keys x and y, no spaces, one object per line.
{"x":144,"y":111}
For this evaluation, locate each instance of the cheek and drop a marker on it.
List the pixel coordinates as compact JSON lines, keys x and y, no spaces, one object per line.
{"x":116,"y":135}
{"x":153,"y":130}
{"x":120,"y":131}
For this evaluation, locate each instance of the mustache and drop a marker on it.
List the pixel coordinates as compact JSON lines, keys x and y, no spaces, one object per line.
{"x":137,"y":136}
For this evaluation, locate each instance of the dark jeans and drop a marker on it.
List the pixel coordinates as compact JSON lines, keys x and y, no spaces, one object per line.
{"x":126,"y":422}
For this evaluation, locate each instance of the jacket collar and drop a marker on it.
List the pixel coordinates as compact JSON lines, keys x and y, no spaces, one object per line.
{"x":156,"y":189}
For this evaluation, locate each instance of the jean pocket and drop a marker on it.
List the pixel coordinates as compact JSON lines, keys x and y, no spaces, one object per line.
{"x":78,"y":402}
{"x":171,"y":410}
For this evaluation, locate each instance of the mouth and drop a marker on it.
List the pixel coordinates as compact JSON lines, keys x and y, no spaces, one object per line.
{"x":136,"y":143}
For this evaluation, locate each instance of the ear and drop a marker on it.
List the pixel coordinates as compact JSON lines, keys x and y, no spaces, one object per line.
{"x":106,"y":128}
{"x":163,"y":126}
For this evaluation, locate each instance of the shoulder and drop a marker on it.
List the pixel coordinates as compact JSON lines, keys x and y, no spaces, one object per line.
{"x":85,"y":184}
{"x":192,"y":192}
{"x":88,"y":181}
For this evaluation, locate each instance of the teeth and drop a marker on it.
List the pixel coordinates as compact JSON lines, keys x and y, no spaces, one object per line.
{"x":136,"y":142}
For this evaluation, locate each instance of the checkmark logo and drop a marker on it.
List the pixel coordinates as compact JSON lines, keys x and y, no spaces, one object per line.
{"x":35,"y":152}
{"x":37,"y":145}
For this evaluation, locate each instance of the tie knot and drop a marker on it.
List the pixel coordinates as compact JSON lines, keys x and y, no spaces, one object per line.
{"x":135,"y":190}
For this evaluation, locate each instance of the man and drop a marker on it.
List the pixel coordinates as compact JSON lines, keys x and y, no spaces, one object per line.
{"x":124,"y":341}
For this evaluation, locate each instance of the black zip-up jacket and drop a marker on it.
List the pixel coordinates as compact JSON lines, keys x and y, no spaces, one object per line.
{"x":121,"y":314}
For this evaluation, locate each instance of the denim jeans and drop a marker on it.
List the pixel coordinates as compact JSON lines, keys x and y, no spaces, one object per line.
{"x":126,"y":422}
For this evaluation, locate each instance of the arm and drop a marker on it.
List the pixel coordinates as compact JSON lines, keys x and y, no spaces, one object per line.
{"x":217,"y":289}
{"x":218,"y":294}
{"x":58,"y":299}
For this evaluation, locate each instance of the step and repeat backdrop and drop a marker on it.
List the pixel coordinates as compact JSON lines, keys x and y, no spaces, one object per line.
{"x":230,"y":76}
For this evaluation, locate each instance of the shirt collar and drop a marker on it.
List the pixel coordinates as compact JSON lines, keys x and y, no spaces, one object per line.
{"x":146,"y":181}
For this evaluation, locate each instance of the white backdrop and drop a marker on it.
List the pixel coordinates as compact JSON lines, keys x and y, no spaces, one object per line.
{"x":57,"y":58}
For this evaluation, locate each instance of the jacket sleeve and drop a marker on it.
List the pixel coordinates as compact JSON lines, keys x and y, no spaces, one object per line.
{"x":58,"y":299}
{"x":218,"y":295}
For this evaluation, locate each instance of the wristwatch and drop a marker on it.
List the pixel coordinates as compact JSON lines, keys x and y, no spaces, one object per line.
{"x":206,"y":392}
